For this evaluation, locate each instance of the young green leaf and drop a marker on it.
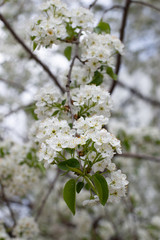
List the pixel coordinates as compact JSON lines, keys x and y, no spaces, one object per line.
{"x":97,"y":78}
{"x":72,"y":162}
{"x":101,"y":187}
{"x":87,"y":186}
{"x":32,"y":37}
{"x":79,"y":186}
{"x":68,"y":52}
{"x":70,"y":30}
{"x":102,"y":27}
{"x":34,"y":45}
{"x":55,"y":113}
{"x":63,"y":102}
{"x":110,"y":72}
{"x":69,"y":195}
{"x":70,"y":150}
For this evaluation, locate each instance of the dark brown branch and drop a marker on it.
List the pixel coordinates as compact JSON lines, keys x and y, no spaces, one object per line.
{"x":146,"y":5}
{"x":8,"y":204}
{"x":51,"y":187}
{"x":154,"y":102}
{"x":139,"y":156}
{"x":122,"y":34}
{"x":92,"y":4}
{"x":33,"y":56}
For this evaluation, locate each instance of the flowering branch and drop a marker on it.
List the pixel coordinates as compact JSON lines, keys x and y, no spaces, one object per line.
{"x":86,"y":148}
{"x":33,"y":56}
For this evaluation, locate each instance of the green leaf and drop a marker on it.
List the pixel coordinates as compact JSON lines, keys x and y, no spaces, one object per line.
{"x":110,"y":72}
{"x":97,"y":78}
{"x":39,"y":21}
{"x":55,"y":113}
{"x":70,"y":150}
{"x":69,"y":195}
{"x":72,"y":162}
{"x":101,"y":187}
{"x":32,"y":37}
{"x":63,"y":102}
{"x":79,"y":186}
{"x":34,"y":45}
{"x":70,"y":30}
{"x":87,"y":186}
{"x":102,"y":27}
{"x":68,"y":52}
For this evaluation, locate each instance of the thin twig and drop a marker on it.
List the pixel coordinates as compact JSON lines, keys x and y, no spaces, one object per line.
{"x":2,"y":3}
{"x":113,"y":7}
{"x":18,"y":109}
{"x":13,"y":84}
{"x":139,"y":156}
{"x":108,"y":215}
{"x":92,"y":4}
{"x":18,"y":202}
{"x":153,"y":102}
{"x":33,"y":56}
{"x":8,"y":205}
{"x":51,"y":187}
{"x":122,"y":34}
{"x":146,"y":5}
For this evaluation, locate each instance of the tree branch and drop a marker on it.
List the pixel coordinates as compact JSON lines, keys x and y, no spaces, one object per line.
{"x":139,"y":156}
{"x":69,"y":76}
{"x":2,"y":3}
{"x":122,"y":34}
{"x":13,"y":84}
{"x":33,"y":56}
{"x":18,"y":202}
{"x":92,"y":4}
{"x":8,"y":204}
{"x":139,"y":95}
{"x":146,"y":5}
{"x":113,"y":7}
{"x":51,"y":187}
{"x":18,"y":109}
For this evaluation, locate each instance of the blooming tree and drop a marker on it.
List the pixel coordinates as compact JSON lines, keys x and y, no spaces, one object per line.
{"x":70,"y":150}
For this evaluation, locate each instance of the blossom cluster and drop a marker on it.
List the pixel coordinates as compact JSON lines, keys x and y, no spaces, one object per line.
{"x":26,"y":228}
{"x":98,"y":49}
{"x":15,"y":175}
{"x":58,"y":23}
{"x":87,"y":140}
{"x":71,"y":130}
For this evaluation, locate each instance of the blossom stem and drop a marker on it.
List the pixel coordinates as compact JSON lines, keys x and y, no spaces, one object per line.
{"x":86,"y":177}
